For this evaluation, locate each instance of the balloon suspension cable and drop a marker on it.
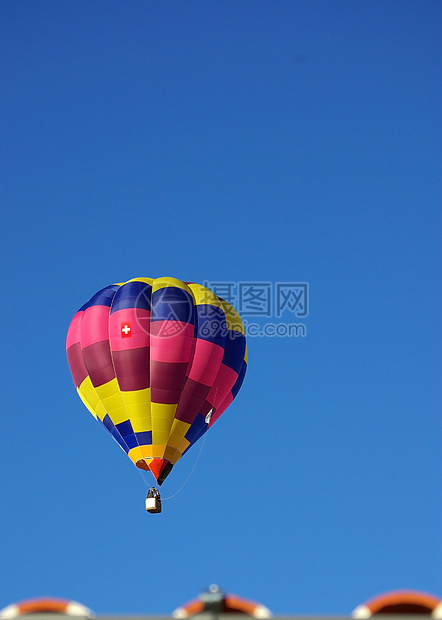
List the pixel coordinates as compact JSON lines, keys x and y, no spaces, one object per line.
{"x":207,"y":420}
{"x":142,"y":474}
{"x":149,"y":484}
{"x":191,"y":471}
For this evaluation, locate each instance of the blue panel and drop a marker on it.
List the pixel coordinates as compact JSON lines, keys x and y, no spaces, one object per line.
{"x":118,"y":438}
{"x":107,"y":422}
{"x":211,"y":324}
{"x":172,"y":304}
{"x":144,"y":438}
{"x":125,"y":428}
{"x":197,"y":429}
{"x":131,"y":440}
{"x":109,"y":426}
{"x":239,"y":381}
{"x":196,"y":438}
{"x":133,"y":295}
{"x":234,"y":350}
{"x":102,"y":298}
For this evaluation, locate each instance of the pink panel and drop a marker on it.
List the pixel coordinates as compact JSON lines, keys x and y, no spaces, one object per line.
{"x":224,"y":382}
{"x":206,"y":362}
{"x":220,"y":410}
{"x":95,"y":325}
{"x":171,"y":341}
{"x":74,"y":330}
{"x":127,"y":328}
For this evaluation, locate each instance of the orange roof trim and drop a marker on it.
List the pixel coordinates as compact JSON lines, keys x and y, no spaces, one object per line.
{"x":231,"y":604}
{"x":400,"y":602}
{"x":45,"y":605}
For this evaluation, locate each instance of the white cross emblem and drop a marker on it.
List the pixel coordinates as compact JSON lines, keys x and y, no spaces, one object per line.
{"x":125,"y":329}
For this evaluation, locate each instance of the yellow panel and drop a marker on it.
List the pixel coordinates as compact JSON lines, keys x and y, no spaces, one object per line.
{"x":136,"y":397}
{"x":140,"y":452}
{"x":204,"y":295}
{"x":113,"y":403}
{"x":159,"y":283}
{"x":147,"y":460}
{"x":159,"y":437}
{"x":118,"y":415}
{"x":162,"y":418}
{"x":183,"y":445}
{"x":176,"y":458}
{"x":141,"y":425}
{"x":163,"y":413}
{"x":158,"y":451}
{"x":232,"y":318}
{"x":145,"y":280}
{"x":137,"y":419}
{"x":87,"y":394}
{"x":100,"y":411}
{"x":137,"y":404}
{"x":177,"y":433}
{"x":147,"y":452}
{"x":108,"y":389}
{"x":169,"y":453}
{"x":176,"y":454}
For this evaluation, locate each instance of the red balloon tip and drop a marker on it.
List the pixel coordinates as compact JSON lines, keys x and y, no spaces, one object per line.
{"x":156,"y":466}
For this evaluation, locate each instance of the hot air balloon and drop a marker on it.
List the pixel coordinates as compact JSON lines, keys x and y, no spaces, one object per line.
{"x":156,"y":362}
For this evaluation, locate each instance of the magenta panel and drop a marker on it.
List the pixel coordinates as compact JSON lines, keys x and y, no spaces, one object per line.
{"x":171,"y":341}
{"x":73,"y":335}
{"x":166,"y":381}
{"x":129,"y":329}
{"x":132,"y":368}
{"x":224,"y":382}
{"x":98,"y":361}
{"x":206,"y":362}
{"x":220,"y":410}
{"x":191,"y":400}
{"x":76,"y":364}
{"x":94,"y":325}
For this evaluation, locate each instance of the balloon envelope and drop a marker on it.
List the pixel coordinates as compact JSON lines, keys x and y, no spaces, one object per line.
{"x":156,"y":362}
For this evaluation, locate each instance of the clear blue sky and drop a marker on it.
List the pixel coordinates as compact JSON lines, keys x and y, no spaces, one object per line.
{"x":279,"y":141}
